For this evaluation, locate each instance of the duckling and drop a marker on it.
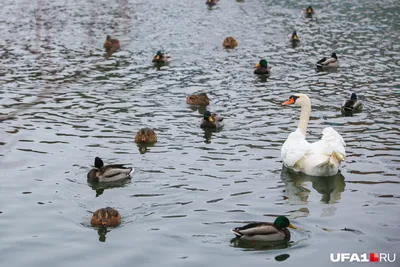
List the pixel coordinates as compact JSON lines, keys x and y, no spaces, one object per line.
{"x":212,"y":2}
{"x":309,"y":11}
{"x":352,"y":105}
{"x":294,"y":37}
{"x":265,"y":231}
{"x":109,"y":173}
{"x":111,"y":45}
{"x":328,"y":63}
{"x":262,"y":67}
{"x":161,"y":58}
{"x":146,"y":135}
{"x":230,"y":42}
{"x":199,"y":99}
{"x":106,"y":217}
{"x":211,"y":120}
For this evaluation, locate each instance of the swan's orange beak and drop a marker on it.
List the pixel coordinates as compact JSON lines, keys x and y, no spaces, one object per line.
{"x":289,"y":102}
{"x":258,"y":65}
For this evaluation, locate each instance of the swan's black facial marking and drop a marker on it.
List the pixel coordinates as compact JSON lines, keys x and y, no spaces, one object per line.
{"x":293,"y":98}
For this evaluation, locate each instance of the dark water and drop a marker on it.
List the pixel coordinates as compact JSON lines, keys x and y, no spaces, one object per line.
{"x":70,"y":104}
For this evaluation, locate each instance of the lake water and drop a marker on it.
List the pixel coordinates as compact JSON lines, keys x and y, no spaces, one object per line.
{"x":70,"y":104}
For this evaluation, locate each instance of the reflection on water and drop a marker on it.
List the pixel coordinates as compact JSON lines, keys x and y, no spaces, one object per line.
{"x":100,"y":187}
{"x":102,"y":234}
{"x":296,"y":190}
{"x":248,"y":245}
{"x":144,"y":147}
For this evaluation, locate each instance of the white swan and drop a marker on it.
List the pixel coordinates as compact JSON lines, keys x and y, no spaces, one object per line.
{"x":321,"y":158}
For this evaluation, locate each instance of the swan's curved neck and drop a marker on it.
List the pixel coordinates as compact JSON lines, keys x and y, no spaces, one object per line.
{"x":304,"y":117}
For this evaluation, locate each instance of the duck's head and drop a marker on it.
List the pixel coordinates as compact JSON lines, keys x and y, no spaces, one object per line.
{"x":309,"y":10}
{"x":283,"y":222}
{"x":98,"y":163}
{"x":108,"y":38}
{"x":263,"y":63}
{"x":297,"y":99}
{"x":207,"y":116}
{"x":294,"y":36}
{"x":334,"y":55}
{"x":353,"y":96}
{"x":159,"y":54}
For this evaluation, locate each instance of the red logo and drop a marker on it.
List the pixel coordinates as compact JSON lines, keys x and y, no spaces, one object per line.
{"x":374,"y":257}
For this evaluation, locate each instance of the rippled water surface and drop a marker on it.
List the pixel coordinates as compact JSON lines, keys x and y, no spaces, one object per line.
{"x":63,"y":103}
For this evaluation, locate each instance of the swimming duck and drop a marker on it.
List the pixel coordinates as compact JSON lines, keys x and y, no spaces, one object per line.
{"x":106,"y":217}
{"x":109,"y":173}
{"x":146,"y":135}
{"x":199,"y":99}
{"x":309,"y":11}
{"x":230,"y":42}
{"x":321,"y":158}
{"x":262,"y":67}
{"x":211,"y":120}
{"x":328,"y":63}
{"x":265,"y":231}
{"x":352,"y":105}
{"x":294,"y":37}
{"x":211,"y":2}
{"x":111,"y":45}
{"x":161,"y":58}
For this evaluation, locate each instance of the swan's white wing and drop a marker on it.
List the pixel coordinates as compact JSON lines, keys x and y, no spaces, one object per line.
{"x":294,"y":148}
{"x":334,"y":143}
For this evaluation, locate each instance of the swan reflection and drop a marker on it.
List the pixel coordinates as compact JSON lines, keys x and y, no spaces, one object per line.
{"x":297,"y":191}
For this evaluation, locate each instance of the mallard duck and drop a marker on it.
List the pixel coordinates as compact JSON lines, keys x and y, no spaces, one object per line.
{"x":294,"y":37}
{"x":352,"y":105}
{"x":230,"y":42}
{"x":109,"y":173}
{"x":309,"y":11}
{"x":328,"y":63}
{"x":321,"y":158}
{"x":106,"y":217}
{"x":111,"y":45}
{"x":265,"y":231}
{"x":211,"y":2}
{"x":262,"y":67}
{"x":211,"y":120}
{"x":161,"y":58}
{"x":146,"y":135}
{"x":199,"y":99}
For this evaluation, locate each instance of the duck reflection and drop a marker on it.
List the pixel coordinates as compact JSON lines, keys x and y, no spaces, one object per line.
{"x":100,"y":187}
{"x":102,"y":234}
{"x":208,"y":134}
{"x":330,"y":187}
{"x":255,"y":245}
{"x":143,"y":147}
{"x":200,"y":108}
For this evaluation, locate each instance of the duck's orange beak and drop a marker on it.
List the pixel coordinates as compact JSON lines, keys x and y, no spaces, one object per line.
{"x":289,"y":102}
{"x":295,"y":37}
{"x":157,"y":57}
{"x":291,"y":226}
{"x":210,"y":119}
{"x":258,"y":65}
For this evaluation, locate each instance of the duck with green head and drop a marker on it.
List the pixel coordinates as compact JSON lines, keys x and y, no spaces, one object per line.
{"x":309,"y":11}
{"x":265,"y":231}
{"x":108,"y":173}
{"x":211,"y":120}
{"x":211,"y":2}
{"x":161,"y":58}
{"x":262,"y":67}
{"x":294,"y":37}
{"x":351,"y":106}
